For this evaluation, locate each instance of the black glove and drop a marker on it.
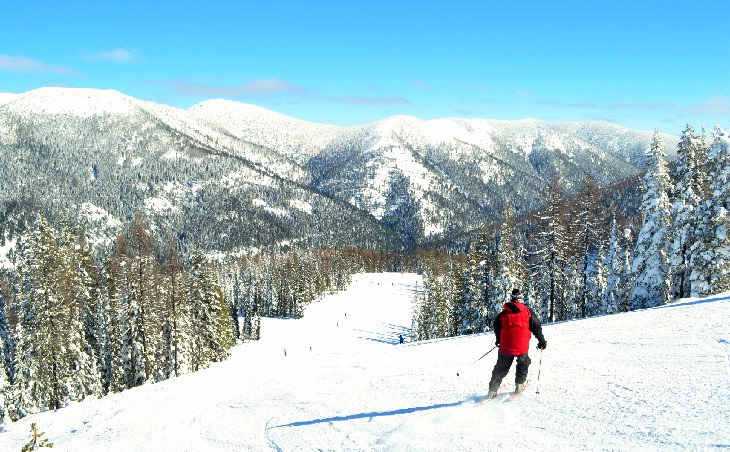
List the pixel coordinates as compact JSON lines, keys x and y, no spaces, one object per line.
{"x":542,"y":345}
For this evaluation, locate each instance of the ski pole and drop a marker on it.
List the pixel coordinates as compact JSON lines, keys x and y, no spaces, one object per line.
{"x":539,"y":369}
{"x":478,"y":359}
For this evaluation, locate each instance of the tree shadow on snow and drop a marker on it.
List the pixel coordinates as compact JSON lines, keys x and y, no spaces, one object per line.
{"x":371,"y":414}
{"x":678,"y":303}
{"x":386,"y":337}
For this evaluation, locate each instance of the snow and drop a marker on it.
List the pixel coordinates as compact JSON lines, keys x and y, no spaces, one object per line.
{"x":655,"y":379}
{"x":158,"y":204}
{"x":6,"y":97}
{"x":303,"y":206}
{"x":5,"y":262}
{"x":80,"y":102}
{"x":273,"y":210}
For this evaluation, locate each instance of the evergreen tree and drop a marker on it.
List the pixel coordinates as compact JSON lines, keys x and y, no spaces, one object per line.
{"x":687,"y":198}
{"x":614,"y":272}
{"x":509,"y":267}
{"x":41,"y":367}
{"x":701,"y":254}
{"x":120,"y":353}
{"x":211,"y":326}
{"x":597,"y":284}
{"x":176,"y":324}
{"x":720,"y":202}
{"x":550,"y":259}
{"x":650,"y":266}
{"x":78,"y":295}
{"x":587,"y":225}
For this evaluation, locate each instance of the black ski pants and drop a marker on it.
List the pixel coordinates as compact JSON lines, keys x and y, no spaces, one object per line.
{"x":504,"y":362}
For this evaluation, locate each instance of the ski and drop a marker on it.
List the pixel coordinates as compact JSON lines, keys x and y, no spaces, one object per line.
{"x":514,"y":395}
{"x":500,"y":396}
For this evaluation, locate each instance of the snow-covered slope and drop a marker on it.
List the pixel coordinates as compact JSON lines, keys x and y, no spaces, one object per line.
{"x":80,"y":102}
{"x":656,"y":379}
{"x":6,"y":97}
{"x":294,"y":138}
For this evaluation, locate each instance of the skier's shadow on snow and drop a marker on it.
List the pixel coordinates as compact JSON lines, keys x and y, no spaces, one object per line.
{"x":370,"y":415}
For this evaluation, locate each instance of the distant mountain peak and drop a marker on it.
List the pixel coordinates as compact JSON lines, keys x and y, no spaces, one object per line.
{"x":81,"y":102}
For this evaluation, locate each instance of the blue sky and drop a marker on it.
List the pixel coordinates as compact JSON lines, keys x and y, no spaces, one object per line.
{"x":641,"y":64}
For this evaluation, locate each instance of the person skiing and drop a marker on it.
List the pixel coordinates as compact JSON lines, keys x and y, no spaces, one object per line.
{"x":512,"y":328}
{"x":400,"y":336}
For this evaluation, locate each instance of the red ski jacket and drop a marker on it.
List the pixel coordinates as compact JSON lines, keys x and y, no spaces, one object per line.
{"x":513,"y":328}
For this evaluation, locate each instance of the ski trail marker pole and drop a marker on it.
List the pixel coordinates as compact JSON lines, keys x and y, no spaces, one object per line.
{"x":478,"y":359}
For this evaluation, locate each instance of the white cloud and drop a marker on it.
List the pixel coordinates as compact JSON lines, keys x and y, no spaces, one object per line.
{"x":114,"y":55}
{"x":24,"y":64}
{"x":263,"y":87}
{"x":718,"y":105}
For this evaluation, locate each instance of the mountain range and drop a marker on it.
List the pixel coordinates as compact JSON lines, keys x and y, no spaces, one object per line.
{"x":234,"y":177}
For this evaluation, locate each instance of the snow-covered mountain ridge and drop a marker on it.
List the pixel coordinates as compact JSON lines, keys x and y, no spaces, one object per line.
{"x":654,"y":379}
{"x":256,"y":177}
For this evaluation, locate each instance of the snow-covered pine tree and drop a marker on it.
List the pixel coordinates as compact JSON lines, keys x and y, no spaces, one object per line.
{"x":120,"y":352}
{"x":596,"y":281}
{"x":549,"y":259}
{"x":625,"y":280}
{"x":457,"y":280}
{"x":473,"y":299}
{"x":720,"y":202}
{"x":614,"y":271}
{"x":587,"y":228}
{"x":144,"y":309}
{"x":687,"y":191}
{"x":651,"y":264}
{"x":212,"y":332}
{"x":4,"y":355}
{"x":41,"y":367}
{"x":176,"y":323}
{"x":78,"y":296}
{"x":509,"y":263}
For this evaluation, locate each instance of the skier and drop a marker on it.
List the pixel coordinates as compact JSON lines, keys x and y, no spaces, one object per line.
{"x":513,"y":327}
{"x":400,"y":336}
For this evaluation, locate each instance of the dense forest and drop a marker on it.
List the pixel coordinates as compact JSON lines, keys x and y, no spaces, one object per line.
{"x":75,"y":324}
{"x":584,"y":256}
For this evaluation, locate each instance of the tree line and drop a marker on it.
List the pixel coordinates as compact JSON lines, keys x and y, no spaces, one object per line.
{"x":581,"y":257}
{"x":74,"y":324}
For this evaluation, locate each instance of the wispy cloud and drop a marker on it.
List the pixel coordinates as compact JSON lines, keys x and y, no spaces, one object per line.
{"x":114,"y":55}
{"x":718,"y":105}
{"x":261,"y":88}
{"x":24,"y":64}
{"x":588,"y":105}
{"x":271,"y":88}
{"x":524,"y":93}
{"x":372,"y":101}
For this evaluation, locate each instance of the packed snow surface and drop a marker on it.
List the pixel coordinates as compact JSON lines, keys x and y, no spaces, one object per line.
{"x":656,"y":379}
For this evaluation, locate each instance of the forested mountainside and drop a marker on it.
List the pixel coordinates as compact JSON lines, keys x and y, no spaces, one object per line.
{"x":237,"y":177}
{"x":98,"y":157}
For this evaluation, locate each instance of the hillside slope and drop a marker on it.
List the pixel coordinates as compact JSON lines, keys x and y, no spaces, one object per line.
{"x":99,"y":157}
{"x":653,"y":379}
